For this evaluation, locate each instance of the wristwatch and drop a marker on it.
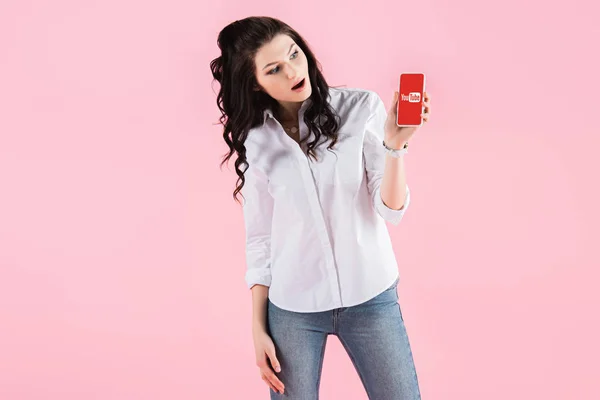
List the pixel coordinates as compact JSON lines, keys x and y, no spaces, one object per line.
{"x":397,"y":153}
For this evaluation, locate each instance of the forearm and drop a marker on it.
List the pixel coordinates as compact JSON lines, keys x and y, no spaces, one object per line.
{"x":393,"y":185}
{"x":260,"y":295}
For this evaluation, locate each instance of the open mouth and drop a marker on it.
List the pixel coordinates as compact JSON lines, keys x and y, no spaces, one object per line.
{"x":300,"y":85}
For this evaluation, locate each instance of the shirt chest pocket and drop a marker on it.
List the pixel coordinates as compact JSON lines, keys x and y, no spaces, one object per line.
{"x":343,"y":165}
{"x":284,"y":175}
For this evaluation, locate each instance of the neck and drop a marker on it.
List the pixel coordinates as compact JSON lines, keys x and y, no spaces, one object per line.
{"x":288,"y":112}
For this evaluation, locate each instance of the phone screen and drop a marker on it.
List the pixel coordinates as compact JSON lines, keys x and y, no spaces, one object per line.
{"x":410,"y":99}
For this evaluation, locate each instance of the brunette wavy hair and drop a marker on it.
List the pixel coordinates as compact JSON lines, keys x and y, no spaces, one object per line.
{"x":242,"y":108}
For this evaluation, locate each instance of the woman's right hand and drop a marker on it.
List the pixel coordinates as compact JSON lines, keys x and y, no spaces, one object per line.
{"x":265,"y":358}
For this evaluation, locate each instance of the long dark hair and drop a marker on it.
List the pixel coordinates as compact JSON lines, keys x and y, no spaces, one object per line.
{"x":242,"y":108}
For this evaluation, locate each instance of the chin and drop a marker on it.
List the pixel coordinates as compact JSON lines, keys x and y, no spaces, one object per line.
{"x":305,"y":94}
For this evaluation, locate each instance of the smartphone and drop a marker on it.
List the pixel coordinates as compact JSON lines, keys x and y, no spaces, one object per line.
{"x":411,"y":90}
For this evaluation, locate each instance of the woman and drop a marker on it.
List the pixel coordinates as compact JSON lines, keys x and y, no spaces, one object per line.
{"x":321,"y":171}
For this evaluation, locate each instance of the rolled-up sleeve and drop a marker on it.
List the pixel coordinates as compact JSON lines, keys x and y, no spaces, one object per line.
{"x":258,"y":215}
{"x":374,"y":156}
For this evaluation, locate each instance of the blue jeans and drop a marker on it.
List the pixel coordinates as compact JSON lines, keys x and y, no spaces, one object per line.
{"x":373,"y":334}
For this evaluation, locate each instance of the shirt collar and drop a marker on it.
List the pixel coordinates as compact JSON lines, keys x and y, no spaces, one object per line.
{"x":269,"y":113}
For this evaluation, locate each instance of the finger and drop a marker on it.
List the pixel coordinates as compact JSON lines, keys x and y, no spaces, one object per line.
{"x":269,"y":384}
{"x":394,"y":105}
{"x":426,"y":97}
{"x":280,"y":387}
{"x":274,"y":361}
{"x":269,"y":377}
{"x":268,"y":372}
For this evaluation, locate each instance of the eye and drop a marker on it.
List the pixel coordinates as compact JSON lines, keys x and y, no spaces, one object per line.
{"x":274,"y":70}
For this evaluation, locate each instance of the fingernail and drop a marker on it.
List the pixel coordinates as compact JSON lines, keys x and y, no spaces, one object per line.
{"x":277,"y":369}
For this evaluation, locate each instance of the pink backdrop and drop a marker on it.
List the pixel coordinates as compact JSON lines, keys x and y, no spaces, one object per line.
{"x":121,"y":251}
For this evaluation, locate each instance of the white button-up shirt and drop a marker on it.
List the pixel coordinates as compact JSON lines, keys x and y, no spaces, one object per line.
{"x":316,"y":231}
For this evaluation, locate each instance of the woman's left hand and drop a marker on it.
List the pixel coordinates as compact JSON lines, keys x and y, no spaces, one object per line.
{"x":396,"y":136}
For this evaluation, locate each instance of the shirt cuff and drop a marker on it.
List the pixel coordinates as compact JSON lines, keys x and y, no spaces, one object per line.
{"x":258,"y":276}
{"x":389,"y":214}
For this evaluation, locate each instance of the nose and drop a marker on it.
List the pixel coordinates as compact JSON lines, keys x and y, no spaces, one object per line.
{"x":290,"y":72}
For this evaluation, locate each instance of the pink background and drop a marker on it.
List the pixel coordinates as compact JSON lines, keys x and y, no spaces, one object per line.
{"x":121,"y":250}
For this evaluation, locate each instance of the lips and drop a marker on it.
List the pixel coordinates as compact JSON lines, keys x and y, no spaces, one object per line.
{"x":298,"y":84}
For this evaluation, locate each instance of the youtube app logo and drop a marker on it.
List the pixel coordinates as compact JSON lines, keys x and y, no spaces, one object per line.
{"x":412,"y":97}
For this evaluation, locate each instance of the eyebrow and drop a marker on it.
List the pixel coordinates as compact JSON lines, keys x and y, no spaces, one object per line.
{"x":275,"y":62}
